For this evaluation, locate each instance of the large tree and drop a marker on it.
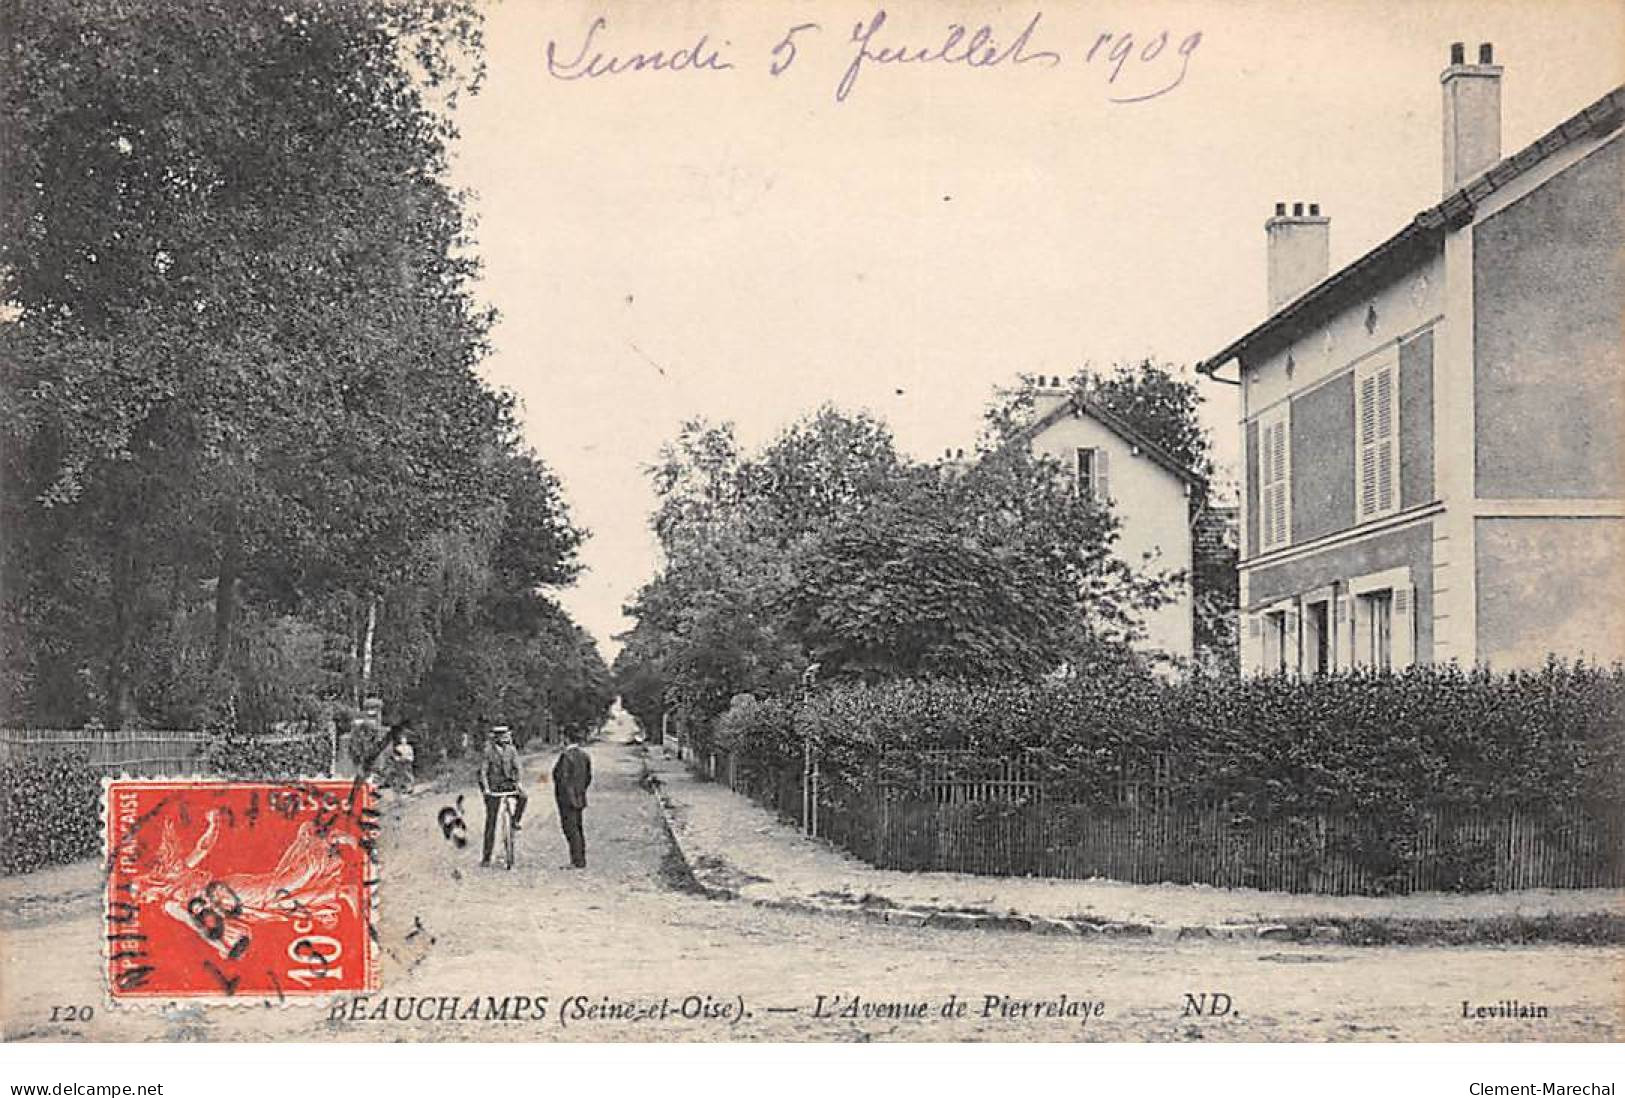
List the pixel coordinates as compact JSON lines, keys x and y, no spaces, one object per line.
{"x":828,"y":547}
{"x":239,"y":357}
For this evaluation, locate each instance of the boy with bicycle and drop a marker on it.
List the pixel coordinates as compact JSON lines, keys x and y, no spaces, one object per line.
{"x":499,"y":774}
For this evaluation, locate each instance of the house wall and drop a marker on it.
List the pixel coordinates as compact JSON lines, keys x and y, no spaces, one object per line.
{"x":1409,"y":547}
{"x":1322,"y":432}
{"x":1549,"y":585}
{"x":1154,"y":513}
{"x":1549,"y":337}
{"x":1416,"y":443}
{"x":1320,"y":389}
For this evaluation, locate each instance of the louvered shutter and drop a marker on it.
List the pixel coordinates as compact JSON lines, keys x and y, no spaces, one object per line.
{"x":1384,"y":445}
{"x":1252,"y":644}
{"x":1404,"y":627}
{"x":1292,"y":656}
{"x":1376,"y":415}
{"x":1102,"y":484}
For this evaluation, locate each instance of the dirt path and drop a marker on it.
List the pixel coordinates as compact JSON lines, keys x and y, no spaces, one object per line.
{"x":617,"y":941}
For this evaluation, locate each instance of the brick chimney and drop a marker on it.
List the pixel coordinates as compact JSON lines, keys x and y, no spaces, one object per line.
{"x":1472,"y":114}
{"x":1299,"y":245}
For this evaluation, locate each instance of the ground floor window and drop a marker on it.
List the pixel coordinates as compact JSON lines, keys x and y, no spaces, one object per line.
{"x":1376,"y":609}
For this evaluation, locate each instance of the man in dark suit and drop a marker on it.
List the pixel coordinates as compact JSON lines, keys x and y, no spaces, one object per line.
{"x":572,"y":774}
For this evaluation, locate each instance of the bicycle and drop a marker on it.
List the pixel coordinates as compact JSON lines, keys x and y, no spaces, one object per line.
{"x":505,"y":826}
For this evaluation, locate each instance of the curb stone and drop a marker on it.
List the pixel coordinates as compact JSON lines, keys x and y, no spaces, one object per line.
{"x":1299,"y":932}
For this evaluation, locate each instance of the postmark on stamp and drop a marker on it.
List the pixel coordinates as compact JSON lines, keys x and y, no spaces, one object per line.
{"x":239,"y":889}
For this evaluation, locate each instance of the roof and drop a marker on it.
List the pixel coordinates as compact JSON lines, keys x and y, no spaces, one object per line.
{"x":1418,"y":239}
{"x":1077,"y":403}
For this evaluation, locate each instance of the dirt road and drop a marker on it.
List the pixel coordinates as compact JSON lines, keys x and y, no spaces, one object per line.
{"x":620,"y":952}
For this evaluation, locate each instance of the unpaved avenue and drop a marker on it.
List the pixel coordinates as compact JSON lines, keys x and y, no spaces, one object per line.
{"x":619,"y":935}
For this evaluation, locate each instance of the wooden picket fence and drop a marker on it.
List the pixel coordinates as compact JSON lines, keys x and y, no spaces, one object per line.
{"x":996,"y":817}
{"x":139,"y":752}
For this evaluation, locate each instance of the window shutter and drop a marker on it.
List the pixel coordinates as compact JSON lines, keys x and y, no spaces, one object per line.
{"x":1404,"y":628}
{"x":1293,"y":656}
{"x":1368,"y":437}
{"x":1252,"y":647}
{"x":1102,"y":485}
{"x":1385,"y":439}
{"x":1377,"y":422}
{"x":1274,"y":479}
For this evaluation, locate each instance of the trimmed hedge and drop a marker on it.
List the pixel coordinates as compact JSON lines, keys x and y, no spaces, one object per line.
{"x":1382,"y":753}
{"x":233,"y":755}
{"x":50,"y":812}
{"x":1263,"y":748}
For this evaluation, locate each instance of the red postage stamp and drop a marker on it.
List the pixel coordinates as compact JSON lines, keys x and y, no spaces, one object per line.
{"x":227,"y":889}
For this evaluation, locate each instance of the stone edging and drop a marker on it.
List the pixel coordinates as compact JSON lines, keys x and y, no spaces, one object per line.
{"x":919,"y":916}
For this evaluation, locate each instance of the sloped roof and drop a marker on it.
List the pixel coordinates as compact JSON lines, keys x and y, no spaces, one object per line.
{"x":1079,"y":404}
{"x":1418,"y":239}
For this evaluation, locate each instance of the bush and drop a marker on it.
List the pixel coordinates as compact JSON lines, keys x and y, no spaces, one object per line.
{"x":50,"y":812}
{"x":234,"y":755}
{"x":1378,"y":756}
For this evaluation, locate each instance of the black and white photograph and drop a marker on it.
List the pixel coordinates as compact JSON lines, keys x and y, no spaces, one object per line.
{"x":603,"y":521}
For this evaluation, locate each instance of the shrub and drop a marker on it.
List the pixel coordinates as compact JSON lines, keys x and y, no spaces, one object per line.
{"x":50,"y":810}
{"x":234,"y":755}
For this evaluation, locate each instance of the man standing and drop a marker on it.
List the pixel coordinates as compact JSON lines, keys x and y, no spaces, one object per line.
{"x":499,"y":773}
{"x":572,"y":774}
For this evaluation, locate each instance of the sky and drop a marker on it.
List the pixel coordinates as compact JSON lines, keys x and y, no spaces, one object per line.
{"x":744,"y":246}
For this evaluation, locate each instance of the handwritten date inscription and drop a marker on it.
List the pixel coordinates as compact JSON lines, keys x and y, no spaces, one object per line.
{"x":1134,"y":67}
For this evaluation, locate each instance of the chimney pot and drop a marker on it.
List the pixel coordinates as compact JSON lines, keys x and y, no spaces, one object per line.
{"x":1458,"y":53}
{"x":1486,"y":53}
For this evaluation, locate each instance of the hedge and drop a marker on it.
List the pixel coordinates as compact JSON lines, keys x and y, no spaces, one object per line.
{"x":50,"y":812}
{"x":1264,"y":748}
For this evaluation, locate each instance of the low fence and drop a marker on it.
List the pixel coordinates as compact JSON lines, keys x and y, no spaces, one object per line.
{"x":997,"y":817}
{"x":139,"y":752}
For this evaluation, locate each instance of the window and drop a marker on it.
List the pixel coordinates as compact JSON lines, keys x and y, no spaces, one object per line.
{"x":1091,"y":472}
{"x":1376,"y":610}
{"x":1274,"y":479}
{"x":1376,"y":419}
{"x":1384,"y":612}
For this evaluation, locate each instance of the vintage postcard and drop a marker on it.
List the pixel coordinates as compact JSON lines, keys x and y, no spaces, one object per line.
{"x":566,"y":521}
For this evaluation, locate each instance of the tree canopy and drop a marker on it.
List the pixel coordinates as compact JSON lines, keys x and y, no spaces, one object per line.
{"x":828,"y":547}
{"x":240,"y":360}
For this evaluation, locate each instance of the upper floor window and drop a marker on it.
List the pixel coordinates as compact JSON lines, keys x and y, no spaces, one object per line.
{"x":1091,"y":471}
{"x":1376,"y":422}
{"x":1274,"y":474}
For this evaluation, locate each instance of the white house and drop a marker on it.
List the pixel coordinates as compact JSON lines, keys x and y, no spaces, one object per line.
{"x":1149,"y":490}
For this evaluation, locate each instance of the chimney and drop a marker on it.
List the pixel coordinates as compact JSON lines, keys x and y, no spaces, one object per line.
{"x":1048,"y":393}
{"x":1472,"y":115}
{"x":1300,"y":251}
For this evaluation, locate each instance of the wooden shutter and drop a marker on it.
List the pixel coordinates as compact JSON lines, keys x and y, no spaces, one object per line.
{"x":1404,"y":627}
{"x":1292,"y":642}
{"x":1252,"y":644}
{"x":1274,"y":479}
{"x":1102,"y":487}
{"x":1376,"y":417}
{"x":1338,"y":643}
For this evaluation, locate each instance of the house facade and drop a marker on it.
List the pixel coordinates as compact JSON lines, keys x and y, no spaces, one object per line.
{"x":1150,"y":493}
{"x":1433,"y":466}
